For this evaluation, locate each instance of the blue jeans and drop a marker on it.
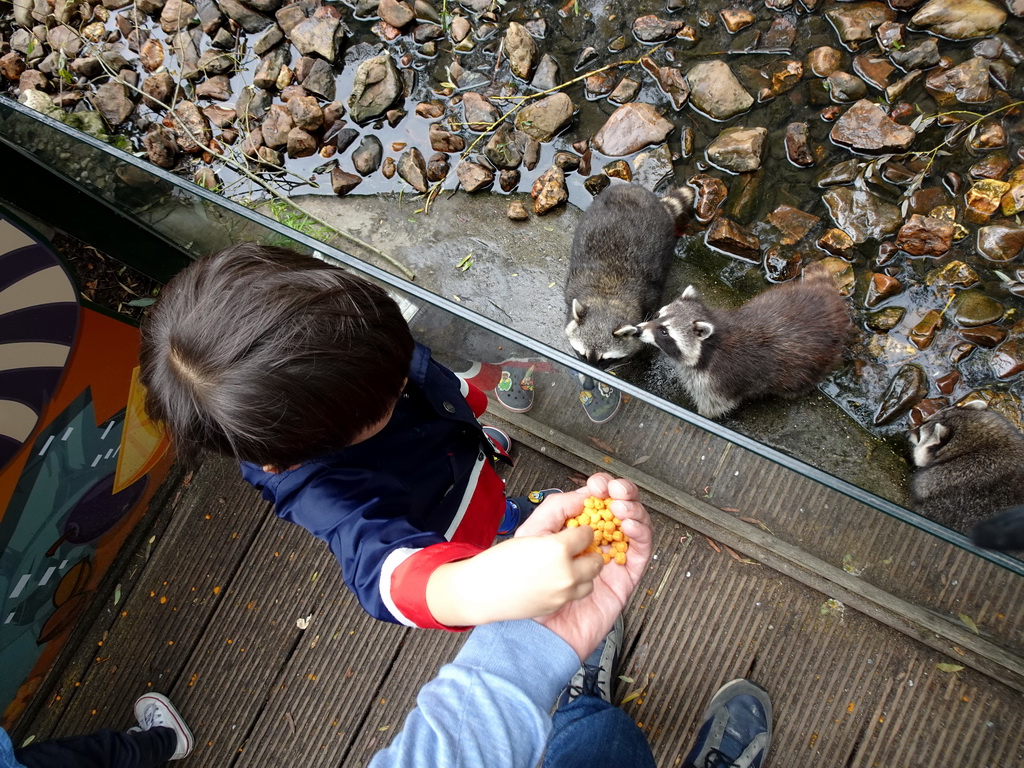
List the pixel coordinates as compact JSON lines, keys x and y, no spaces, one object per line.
{"x":591,"y":733}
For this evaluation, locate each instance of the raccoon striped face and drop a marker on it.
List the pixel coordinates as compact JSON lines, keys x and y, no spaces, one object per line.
{"x":678,"y":329}
{"x":597,"y":338}
{"x":928,"y":440}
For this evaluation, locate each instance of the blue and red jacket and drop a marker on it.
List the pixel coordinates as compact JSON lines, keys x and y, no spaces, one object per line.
{"x":420,"y":493}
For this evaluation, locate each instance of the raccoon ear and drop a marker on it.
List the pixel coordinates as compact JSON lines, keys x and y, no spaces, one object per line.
{"x":626,"y":330}
{"x":689,"y":293}
{"x":578,"y":311}
{"x":975,"y":405}
{"x":703,"y":329}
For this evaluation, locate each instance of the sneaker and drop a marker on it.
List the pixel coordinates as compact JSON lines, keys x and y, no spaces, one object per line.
{"x":594,"y":677}
{"x":517,"y":396}
{"x":518,"y":508}
{"x":737,"y":729}
{"x":600,"y":401}
{"x":155,"y":709}
{"x":499,"y":439}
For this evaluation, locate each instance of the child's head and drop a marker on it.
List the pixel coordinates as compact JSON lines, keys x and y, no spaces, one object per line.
{"x":271,"y":357}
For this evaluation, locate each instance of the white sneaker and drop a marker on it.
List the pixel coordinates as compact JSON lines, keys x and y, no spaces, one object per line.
{"x":155,"y":709}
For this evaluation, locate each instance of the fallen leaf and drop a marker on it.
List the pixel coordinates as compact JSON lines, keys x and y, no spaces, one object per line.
{"x":738,"y":558}
{"x":601,"y":444}
{"x":630,"y":697}
{"x":625,"y":679}
{"x":713,"y":545}
{"x":969,"y":623}
{"x":117,"y":594}
{"x":948,"y":667}
{"x":641,"y":460}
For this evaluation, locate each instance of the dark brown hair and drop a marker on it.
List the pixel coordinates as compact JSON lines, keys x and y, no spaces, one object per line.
{"x":270,"y":356}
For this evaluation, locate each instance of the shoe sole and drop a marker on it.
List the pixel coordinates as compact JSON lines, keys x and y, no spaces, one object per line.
{"x":189,"y":740}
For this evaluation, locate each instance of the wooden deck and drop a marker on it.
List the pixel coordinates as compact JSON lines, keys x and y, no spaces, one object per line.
{"x":243,"y":620}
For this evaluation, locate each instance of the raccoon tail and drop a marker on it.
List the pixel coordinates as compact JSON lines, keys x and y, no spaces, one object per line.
{"x":679,"y":204}
{"x":1004,"y":531}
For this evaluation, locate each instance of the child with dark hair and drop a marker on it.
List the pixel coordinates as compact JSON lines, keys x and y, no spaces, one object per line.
{"x":310,"y":377}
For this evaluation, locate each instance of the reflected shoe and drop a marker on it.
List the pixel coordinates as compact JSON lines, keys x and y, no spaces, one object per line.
{"x":517,"y":396}
{"x":594,"y":677}
{"x":600,"y":401}
{"x":518,"y":508}
{"x":737,"y":729}
{"x":499,"y":438}
{"x":155,"y":709}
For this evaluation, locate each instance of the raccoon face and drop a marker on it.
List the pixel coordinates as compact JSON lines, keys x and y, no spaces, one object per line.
{"x":597,"y":337}
{"x":678,"y":330}
{"x":928,"y":440}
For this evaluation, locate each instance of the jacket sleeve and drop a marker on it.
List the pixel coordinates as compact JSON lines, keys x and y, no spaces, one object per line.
{"x":385,"y":559}
{"x":490,"y":705}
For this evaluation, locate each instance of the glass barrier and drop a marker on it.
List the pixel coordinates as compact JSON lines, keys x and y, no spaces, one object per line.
{"x":798,"y":518}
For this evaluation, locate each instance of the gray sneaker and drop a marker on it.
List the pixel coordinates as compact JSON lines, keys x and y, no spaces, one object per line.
{"x":737,"y":729}
{"x":594,"y":677}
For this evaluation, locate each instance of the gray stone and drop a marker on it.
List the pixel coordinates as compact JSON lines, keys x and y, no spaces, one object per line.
{"x":862,"y":215}
{"x":844,"y":87}
{"x":478,"y":113}
{"x":269,"y":70}
{"x":631,"y":127}
{"x":960,"y":19}
{"x":521,"y":51}
{"x":160,"y":146}
{"x":738,"y":149}
{"x":191,"y":128}
{"x":395,"y":12}
{"x":547,"y":75}
{"x":856,"y":23}
{"x":924,"y":55}
{"x":245,"y":17}
{"x":544,"y":118}
{"x":1001,"y":242}
{"x":377,"y":86}
{"x":268,"y":40}
{"x":111,"y":100}
{"x":343,"y":182}
{"x":967,"y":83}
{"x":715,"y":91}
{"x":216,"y":88}
{"x":474,"y":176}
{"x":651,"y":168}
{"x":413,"y":169}
{"x":322,"y":36}
{"x":908,"y":387}
{"x":367,"y":156}
{"x":866,"y":127}
{"x":974,"y":308}
{"x":320,"y":80}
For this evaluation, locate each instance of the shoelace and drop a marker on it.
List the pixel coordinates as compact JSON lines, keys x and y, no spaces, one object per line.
{"x":589,"y":684}
{"x":717,"y":759}
{"x":152,"y":716}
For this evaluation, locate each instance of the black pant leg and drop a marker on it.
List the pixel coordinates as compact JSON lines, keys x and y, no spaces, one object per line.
{"x":102,"y":749}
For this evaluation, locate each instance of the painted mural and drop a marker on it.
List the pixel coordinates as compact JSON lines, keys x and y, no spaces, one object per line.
{"x":79,"y":460}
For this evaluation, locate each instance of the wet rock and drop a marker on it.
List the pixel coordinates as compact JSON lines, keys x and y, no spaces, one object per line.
{"x":890,"y":36}
{"x":783,"y":75}
{"x":1001,"y":242}
{"x":191,"y":127}
{"x":995,"y":166}
{"x":151,"y":55}
{"x":862,"y":215}
{"x":479,"y":113}
{"x":323,"y":36}
{"x":343,"y":182}
{"x":959,"y":19}
{"x":798,"y":150}
{"x":1013,"y":201}
{"x":866,"y":127}
{"x":838,"y":243}
{"x":880,"y":288}
{"x":967,"y":83}
{"x":595,"y":184}
{"x":413,"y":169}
{"x":600,"y":84}
{"x":340,"y":137}
{"x":908,"y":387}
{"x":730,"y":238}
{"x":545,"y":118}
{"x":736,"y":19}
{"x":842,"y":274}
{"x":521,"y":51}
{"x":268,"y":40}
{"x":185,"y":46}
{"x":856,"y":23}
{"x":844,"y":87}
{"x":711,"y":195}
{"x":377,"y":86}
{"x":319,"y":79}
{"x":12,"y":65}
{"x":395,"y":12}
{"x":630,"y":128}
{"x":214,"y":62}
{"x":252,"y":143}
{"x":245,"y":17}
{"x":276,"y":126}
{"x":780,"y":35}
{"x":300,"y":143}
{"x":923,"y":334}
{"x":619,"y":169}
{"x":651,"y":29}
{"x":567,"y":161}
{"x":715,"y":91}
{"x":974,"y":308}
{"x":824,"y":60}
{"x":367,"y":156}
{"x":306,"y":112}
{"x":160,"y":146}
{"x":508,"y":180}
{"x":176,"y":15}
{"x":874,"y":70}
{"x":925,"y":236}
{"x":884,"y":320}
{"x":444,"y":141}
{"x":501,"y":149}
{"x":549,"y":191}
{"x":792,"y":223}
{"x":670,"y":80}
{"x":987,"y":336}
{"x":161,"y":89}
{"x":460,"y":28}
{"x":625,"y":91}
{"x":437,"y":167}
{"x":111,"y":100}
{"x":1008,"y":359}
{"x":517,"y":211}
{"x":955,"y":273}
{"x":652,"y":167}
{"x":548,"y":74}
{"x":738,"y":149}
{"x":474,"y":176}
{"x":219,"y":117}
{"x":984,"y":198}
{"x":216,"y":88}
{"x":780,"y":265}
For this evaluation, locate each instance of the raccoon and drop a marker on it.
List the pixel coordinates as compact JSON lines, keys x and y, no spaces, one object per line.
{"x":970,"y":466}
{"x":621,"y":253}
{"x":782,"y":342}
